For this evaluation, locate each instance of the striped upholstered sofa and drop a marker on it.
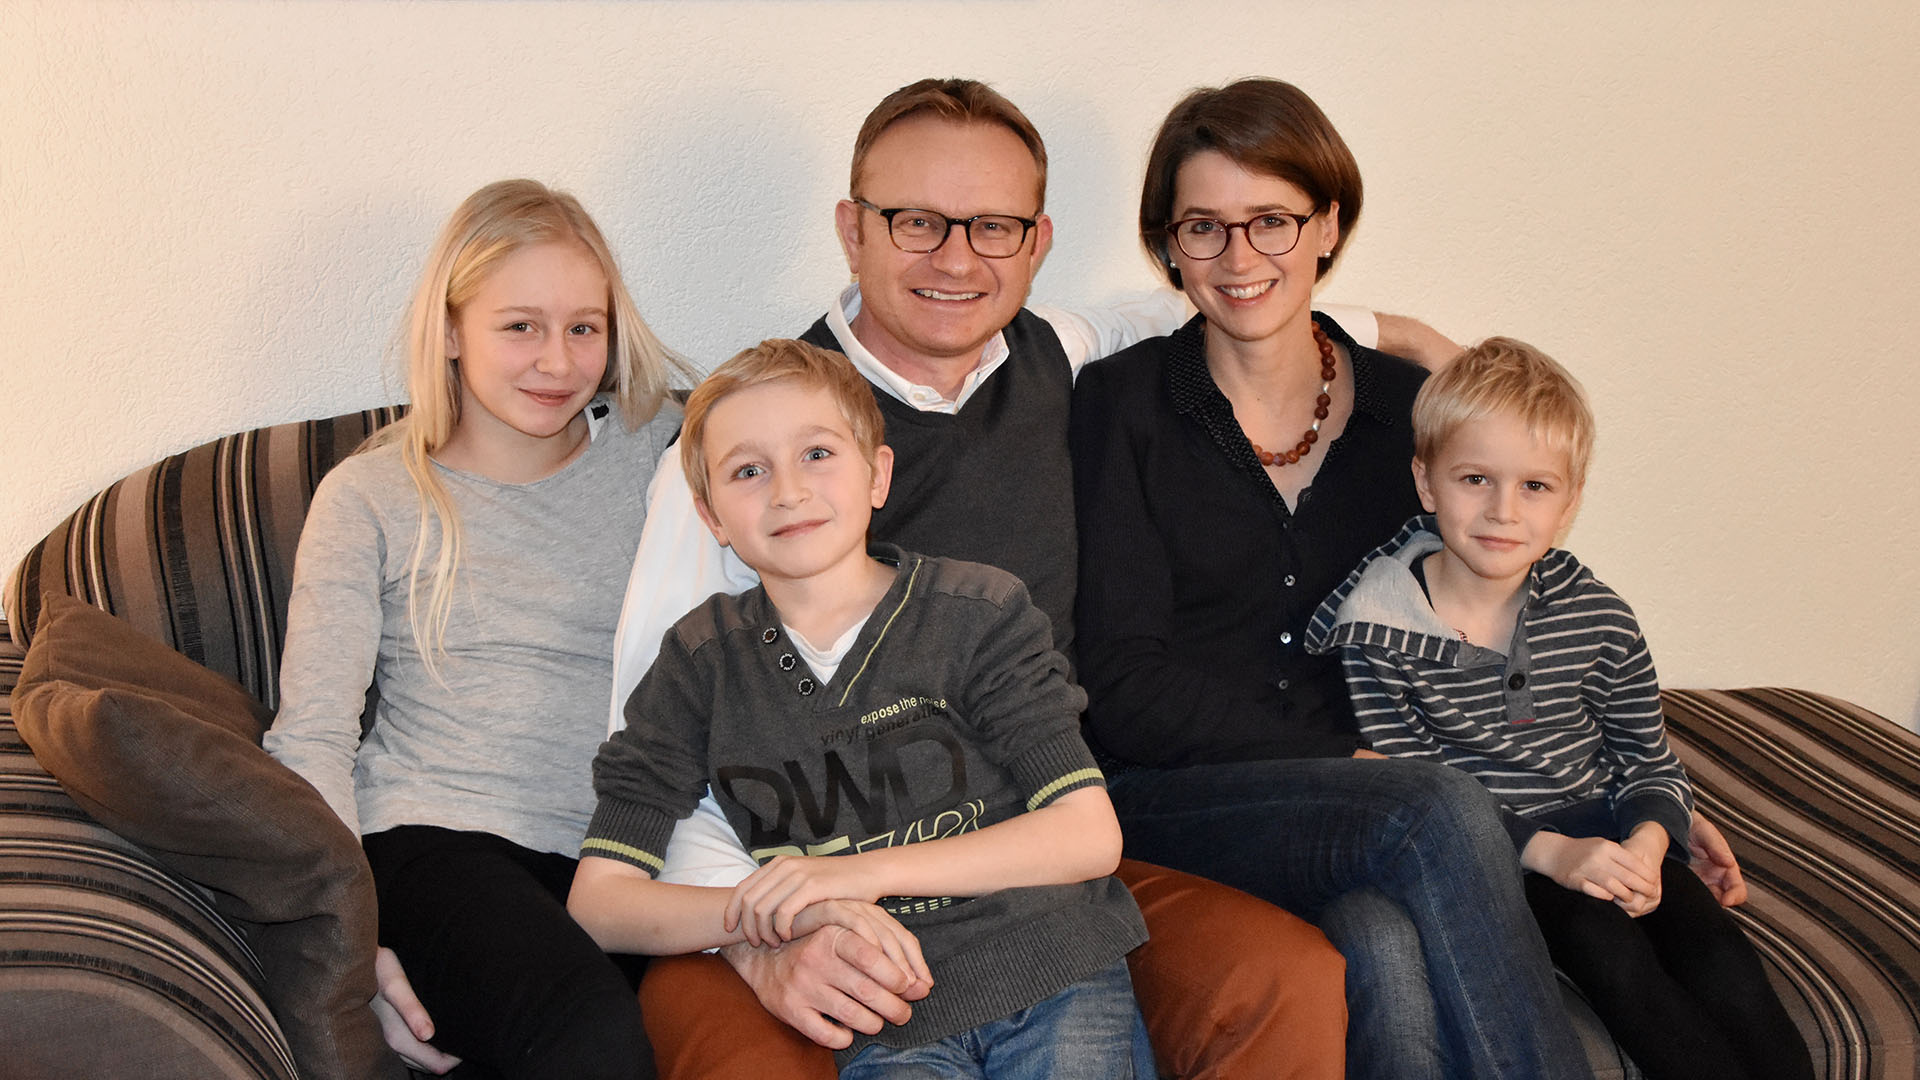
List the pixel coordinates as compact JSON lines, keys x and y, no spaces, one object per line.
{"x":111,"y":966}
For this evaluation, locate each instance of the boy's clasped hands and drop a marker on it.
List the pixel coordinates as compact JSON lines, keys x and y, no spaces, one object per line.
{"x":794,"y":895}
{"x":1627,"y":873}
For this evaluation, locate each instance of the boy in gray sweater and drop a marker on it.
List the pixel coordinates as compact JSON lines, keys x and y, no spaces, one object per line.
{"x":894,"y":739}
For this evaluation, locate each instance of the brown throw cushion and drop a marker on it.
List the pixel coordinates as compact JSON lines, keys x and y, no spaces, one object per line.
{"x":166,"y":753}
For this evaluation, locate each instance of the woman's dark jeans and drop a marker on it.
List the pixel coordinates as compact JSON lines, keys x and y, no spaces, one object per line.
{"x":1428,"y":838}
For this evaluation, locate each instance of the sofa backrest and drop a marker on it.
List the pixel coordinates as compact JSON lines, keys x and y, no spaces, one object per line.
{"x":197,"y":549}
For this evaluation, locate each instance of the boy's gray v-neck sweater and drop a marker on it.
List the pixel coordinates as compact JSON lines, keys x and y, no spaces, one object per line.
{"x":950,"y":712}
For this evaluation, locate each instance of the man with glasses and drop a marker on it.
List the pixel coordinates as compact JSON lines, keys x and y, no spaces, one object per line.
{"x":944,"y":231}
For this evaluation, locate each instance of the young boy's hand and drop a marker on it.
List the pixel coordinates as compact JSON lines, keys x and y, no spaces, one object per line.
{"x":765,"y":904}
{"x":875,"y":925}
{"x":1712,"y":859}
{"x":1600,"y":868}
{"x":1648,"y":842}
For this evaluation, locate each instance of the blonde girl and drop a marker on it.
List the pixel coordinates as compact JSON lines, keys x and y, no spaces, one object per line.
{"x":450,"y":634}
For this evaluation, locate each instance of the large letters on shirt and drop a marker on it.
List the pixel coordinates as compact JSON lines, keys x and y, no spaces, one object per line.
{"x":914,"y":773}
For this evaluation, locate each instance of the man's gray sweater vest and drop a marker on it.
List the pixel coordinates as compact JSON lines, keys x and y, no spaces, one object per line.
{"x":992,"y":483}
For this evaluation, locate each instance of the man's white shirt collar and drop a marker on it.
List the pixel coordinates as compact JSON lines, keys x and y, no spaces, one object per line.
{"x":924,"y":398}
{"x":1085,"y":335}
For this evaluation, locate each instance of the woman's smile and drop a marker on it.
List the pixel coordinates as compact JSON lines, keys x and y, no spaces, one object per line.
{"x":1249,"y":297}
{"x":1247,"y":292}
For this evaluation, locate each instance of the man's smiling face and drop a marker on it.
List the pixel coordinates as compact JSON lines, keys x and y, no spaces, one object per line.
{"x":929,"y":312}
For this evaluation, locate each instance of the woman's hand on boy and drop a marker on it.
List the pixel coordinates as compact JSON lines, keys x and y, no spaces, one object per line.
{"x":875,"y":925}
{"x":764,"y":906}
{"x":1406,"y":336}
{"x":1600,"y":868}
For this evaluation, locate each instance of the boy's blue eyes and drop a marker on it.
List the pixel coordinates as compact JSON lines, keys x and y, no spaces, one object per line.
{"x":1480,"y":479}
{"x":749,"y":472}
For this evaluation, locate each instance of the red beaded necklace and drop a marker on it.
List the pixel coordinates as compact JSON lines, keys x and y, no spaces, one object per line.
{"x":1320,"y":406}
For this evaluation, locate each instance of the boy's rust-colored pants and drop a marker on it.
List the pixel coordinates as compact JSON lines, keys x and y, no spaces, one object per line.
{"x":1230,"y":986}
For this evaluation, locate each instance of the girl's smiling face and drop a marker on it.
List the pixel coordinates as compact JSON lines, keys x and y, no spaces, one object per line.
{"x":531,"y":349}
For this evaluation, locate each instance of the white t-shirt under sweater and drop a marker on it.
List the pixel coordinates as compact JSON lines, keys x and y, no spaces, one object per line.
{"x":505,"y":744}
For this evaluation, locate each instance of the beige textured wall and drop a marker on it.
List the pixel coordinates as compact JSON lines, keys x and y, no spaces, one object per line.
{"x":210,"y":213}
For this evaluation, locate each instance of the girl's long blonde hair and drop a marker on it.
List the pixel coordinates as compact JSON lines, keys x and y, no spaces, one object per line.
{"x":492,"y":224}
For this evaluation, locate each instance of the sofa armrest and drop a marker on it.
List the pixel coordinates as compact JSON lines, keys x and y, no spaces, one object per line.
{"x":110,"y":966}
{"x":1821,"y":802}
{"x":197,"y":549}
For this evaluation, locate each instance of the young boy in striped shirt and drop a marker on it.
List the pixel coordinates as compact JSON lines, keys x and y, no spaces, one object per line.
{"x":1469,"y":639}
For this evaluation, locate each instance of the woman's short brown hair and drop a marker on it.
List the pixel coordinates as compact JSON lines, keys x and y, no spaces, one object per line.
{"x":1263,"y":125}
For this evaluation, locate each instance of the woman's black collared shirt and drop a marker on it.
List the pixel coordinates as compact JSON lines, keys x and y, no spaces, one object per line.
{"x":1196,"y":579}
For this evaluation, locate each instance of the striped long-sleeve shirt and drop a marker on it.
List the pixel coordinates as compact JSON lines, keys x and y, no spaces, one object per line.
{"x":1569,"y":715}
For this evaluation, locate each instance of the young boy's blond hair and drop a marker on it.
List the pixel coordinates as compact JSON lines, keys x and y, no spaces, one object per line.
{"x":771,"y":361}
{"x":1502,"y":375}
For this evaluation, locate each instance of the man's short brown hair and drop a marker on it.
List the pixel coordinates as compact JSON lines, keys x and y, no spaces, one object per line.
{"x":771,"y":361}
{"x":960,"y":101}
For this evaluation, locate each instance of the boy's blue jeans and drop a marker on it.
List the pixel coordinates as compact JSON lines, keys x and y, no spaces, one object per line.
{"x":1090,"y":1031}
{"x":1304,"y":833}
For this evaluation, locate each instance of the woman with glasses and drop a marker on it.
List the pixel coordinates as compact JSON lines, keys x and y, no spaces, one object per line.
{"x":1227,"y":478}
